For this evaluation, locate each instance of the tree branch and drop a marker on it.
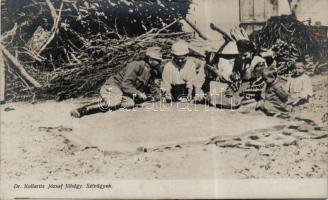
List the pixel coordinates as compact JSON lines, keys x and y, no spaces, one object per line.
{"x":20,"y":67}
{"x":56,"y":19}
{"x":2,"y":78}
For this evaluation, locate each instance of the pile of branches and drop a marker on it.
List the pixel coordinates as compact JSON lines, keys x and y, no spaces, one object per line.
{"x":294,"y":33}
{"x":99,"y":59}
{"x":59,"y":49}
{"x":285,"y":56}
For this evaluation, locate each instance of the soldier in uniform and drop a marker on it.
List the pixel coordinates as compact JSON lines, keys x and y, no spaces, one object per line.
{"x":245,"y":72}
{"x":275,"y":97}
{"x":180,"y":81}
{"x":128,"y":87}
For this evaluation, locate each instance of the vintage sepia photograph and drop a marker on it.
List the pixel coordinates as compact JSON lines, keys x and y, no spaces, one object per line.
{"x":163,"y":99}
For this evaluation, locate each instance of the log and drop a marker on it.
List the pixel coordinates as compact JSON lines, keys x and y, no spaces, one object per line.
{"x":195,"y":29}
{"x":2,"y":78}
{"x":20,"y":68}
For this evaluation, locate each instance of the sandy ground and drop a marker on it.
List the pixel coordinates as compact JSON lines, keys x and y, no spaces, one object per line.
{"x":42,"y":142}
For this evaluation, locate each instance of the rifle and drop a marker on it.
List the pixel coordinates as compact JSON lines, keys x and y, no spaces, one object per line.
{"x":225,"y":35}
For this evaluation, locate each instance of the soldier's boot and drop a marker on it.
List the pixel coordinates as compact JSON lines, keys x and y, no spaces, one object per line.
{"x":89,"y":109}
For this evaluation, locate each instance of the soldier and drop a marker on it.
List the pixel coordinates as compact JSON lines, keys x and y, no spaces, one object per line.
{"x":246,"y":62}
{"x":128,"y":86}
{"x":299,"y":85}
{"x":275,"y":96}
{"x":241,"y":72}
{"x":179,"y":78}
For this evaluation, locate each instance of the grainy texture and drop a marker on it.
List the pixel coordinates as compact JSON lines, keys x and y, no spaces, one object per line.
{"x":305,"y":39}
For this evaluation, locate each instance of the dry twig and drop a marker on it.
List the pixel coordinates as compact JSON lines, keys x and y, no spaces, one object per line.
{"x":20,"y":67}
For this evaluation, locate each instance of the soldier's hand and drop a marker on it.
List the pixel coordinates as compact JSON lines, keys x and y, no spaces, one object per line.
{"x":168,"y":98}
{"x":189,"y":98}
{"x":235,"y":77}
{"x":142,"y":96}
{"x":199,"y":97}
{"x":229,"y":92}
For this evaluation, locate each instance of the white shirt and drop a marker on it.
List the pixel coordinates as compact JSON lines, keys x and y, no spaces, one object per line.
{"x":186,"y":75}
{"x":300,"y":87}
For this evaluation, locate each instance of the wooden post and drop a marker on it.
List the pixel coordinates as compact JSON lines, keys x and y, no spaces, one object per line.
{"x":2,"y":78}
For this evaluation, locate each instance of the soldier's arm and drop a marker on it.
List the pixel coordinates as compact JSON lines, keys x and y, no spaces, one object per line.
{"x":281,"y":92}
{"x":191,"y":78}
{"x":200,"y":79}
{"x":130,"y":77}
{"x":166,"y":79}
